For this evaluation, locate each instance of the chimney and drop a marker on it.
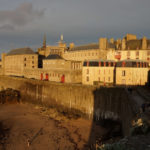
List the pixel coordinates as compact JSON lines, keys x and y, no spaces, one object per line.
{"x":130,"y":37}
{"x":118,"y":42}
{"x":123,"y":44}
{"x":71,"y":45}
{"x":144,"y":43}
{"x":112,"y":40}
{"x":103,"y":43}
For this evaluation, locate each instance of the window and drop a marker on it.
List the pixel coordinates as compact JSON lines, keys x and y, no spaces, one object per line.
{"x":137,"y":53}
{"x":98,"y":78}
{"x":76,"y":66}
{"x":87,"y":79}
{"x":123,"y":73}
{"x":24,"y":65}
{"x":87,"y":71}
{"x":25,"y":59}
{"x":32,"y":66}
{"x":108,"y":79}
{"x":128,"y":55}
{"x":32,"y":57}
{"x":32,"y":62}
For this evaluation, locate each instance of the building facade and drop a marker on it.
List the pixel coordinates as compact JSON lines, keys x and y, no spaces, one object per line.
{"x":131,"y":72}
{"x":56,"y":69}
{"x":98,"y":72}
{"x":131,"y":48}
{"x":96,"y":63}
{"x":14,"y":62}
{"x":115,"y":73}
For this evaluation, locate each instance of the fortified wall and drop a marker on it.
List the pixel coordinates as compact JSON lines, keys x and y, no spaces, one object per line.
{"x":110,"y":102}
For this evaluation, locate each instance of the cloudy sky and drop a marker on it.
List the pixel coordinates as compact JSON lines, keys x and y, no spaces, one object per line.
{"x":24,"y":22}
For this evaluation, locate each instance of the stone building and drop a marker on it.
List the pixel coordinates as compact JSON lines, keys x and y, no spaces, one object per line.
{"x":78,"y":53}
{"x":46,"y":50}
{"x":128,"y":72}
{"x":131,"y":72}
{"x":90,"y":51}
{"x":127,"y":48}
{"x":131,"y":48}
{"x":55,"y":68}
{"x":88,"y":64}
{"x":14,"y":62}
{"x":98,"y":72}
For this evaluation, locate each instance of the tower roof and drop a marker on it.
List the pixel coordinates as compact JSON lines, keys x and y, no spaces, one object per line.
{"x":21,"y":51}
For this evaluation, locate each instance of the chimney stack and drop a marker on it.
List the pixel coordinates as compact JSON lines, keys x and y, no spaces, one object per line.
{"x":103,"y":43}
{"x":144,"y":43}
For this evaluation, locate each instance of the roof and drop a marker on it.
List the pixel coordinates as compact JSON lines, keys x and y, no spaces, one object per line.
{"x":96,"y":63}
{"x":53,"y":56}
{"x":109,"y":63}
{"x":86,"y":47}
{"x":135,"y":44}
{"x":20,"y":51}
{"x":132,"y":63}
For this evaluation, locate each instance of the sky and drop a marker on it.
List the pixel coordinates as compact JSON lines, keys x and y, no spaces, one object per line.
{"x":23,"y":23}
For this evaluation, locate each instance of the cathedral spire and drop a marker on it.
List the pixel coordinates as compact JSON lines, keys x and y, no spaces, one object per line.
{"x":44,"y":41}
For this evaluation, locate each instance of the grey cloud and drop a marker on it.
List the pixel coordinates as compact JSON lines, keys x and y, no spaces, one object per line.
{"x":21,"y":16}
{"x":7,"y":27}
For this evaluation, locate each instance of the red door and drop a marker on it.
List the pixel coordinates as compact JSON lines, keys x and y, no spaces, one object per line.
{"x":46,"y":76}
{"x":63,"y":78}
{"x":41,"y":76}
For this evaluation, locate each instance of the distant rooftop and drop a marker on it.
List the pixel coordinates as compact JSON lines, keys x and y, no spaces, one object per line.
{"x":53,"y":56}
{"x":21,"y":51}
{"x":86,"y":47}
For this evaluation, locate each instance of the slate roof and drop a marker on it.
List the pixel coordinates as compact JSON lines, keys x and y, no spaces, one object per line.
{"x":95,"y":63}
{"x":20,"y":51}
{"x":132,"y":63}
{"x":136,"y":44}
{"x":53,"y":56}
{"x":86,"y":47}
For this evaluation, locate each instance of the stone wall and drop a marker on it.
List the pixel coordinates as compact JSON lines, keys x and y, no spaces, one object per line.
{"x":112,"y":102}
{"x":1,"y":71}
{"x":71,"y":76}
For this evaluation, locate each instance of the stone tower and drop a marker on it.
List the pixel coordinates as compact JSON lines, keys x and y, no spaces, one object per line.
{"x":103,"y":43}
{"x":123,"y":44}
{"x":112,"y":40}
{"x":144,"y":43}
{"x":72,"y":45}
{"x":118,"y":42}
{"x":44,"y":42}
{"x":130,"y":37}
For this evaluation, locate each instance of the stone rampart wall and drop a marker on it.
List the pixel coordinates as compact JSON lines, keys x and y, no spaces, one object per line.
{"x":110,"y":102}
